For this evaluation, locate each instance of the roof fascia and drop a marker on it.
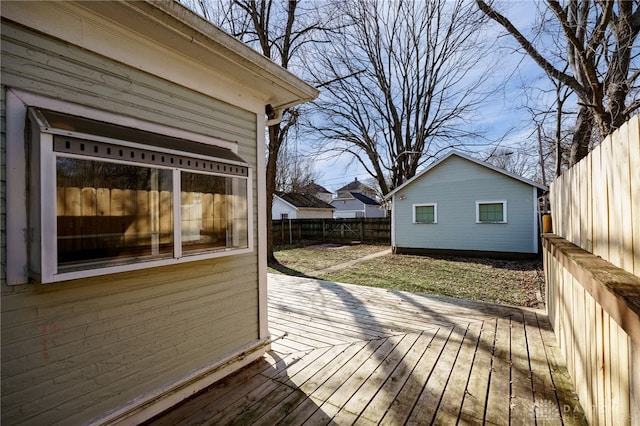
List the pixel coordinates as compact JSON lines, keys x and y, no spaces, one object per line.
{"x":499,"y":170}
{"x":473,"y":160}
{"x":286,"y":202}
{"x":286,"y":89}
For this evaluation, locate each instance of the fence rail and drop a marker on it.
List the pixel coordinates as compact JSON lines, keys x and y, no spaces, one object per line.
{"x":592,"y":270}
{"x":373,"y":230}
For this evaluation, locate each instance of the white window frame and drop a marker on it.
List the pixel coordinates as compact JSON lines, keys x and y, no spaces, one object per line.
{"x":435,"y":213}
{"x":18,"y":259}
{"x":504,"y":210}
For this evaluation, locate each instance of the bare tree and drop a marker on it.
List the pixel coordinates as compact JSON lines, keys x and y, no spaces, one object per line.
{"x":551,"y":113}
{"x":400,"y":83}
{"x":294,"y":170}
{"x":516,"y":159}
{"x":600,"y":56}
{"x":280,"y":30}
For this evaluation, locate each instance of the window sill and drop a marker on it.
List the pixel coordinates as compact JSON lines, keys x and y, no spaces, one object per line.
{"x":87,"y":273}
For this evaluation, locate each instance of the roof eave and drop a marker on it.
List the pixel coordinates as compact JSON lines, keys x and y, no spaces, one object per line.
{"x":466,"y":157}
{"x":198,"y":39}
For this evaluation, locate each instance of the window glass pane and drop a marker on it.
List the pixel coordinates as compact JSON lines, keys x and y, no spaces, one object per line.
{"x":490,"y":212}
{"x":213,"y":211}
{"x":425,"y":214}
{"x":111,"y":213}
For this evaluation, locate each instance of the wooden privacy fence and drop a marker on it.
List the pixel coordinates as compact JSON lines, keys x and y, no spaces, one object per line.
{"x":372,"y":230}
{"x":592,"y":269}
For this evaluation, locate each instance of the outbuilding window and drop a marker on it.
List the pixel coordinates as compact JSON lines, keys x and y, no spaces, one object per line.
{"x":105,"y":198}
{"x":425,"y":213}
{"x":491,"y":211}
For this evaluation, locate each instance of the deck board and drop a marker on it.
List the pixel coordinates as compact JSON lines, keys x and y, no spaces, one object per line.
{"x":344,"y":354}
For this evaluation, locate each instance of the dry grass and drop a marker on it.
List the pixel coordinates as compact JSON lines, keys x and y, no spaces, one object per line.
{"x":299,"y":261}
{"x":517,"y":283}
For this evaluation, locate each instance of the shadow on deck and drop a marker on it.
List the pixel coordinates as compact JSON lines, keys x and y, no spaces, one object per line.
{"x":345,"y":354}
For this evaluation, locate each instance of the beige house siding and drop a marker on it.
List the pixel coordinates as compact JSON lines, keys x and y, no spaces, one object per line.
{"x":73,"y":351}
{"x":315,"y":214}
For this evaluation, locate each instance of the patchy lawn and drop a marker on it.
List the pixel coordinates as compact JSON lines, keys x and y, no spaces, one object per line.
{"x":299,"y":261}
{"x":511,"y":282}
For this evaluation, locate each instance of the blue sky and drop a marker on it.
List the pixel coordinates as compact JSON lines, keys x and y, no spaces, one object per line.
{"x":504,"y":116}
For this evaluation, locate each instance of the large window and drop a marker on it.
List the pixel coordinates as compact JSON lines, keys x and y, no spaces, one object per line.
{"x":111,"y":213}
{"x":491,"y":212}
{"x":120,"y":204}
{"x":425,"y":213}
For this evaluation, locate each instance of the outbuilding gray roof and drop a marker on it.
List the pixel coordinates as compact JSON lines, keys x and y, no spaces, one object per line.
{"x":303,"y":200}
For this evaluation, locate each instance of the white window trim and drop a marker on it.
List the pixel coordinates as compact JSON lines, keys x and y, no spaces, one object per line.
{"x":504,"y":210}
{"x":17,"y":104}
{"x":435,"y":213}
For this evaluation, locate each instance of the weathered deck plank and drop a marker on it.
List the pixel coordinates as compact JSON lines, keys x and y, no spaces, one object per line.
{"x":388,"y":393}
{"x":406,"y":399}
{"x":472,"y":411}
{"x":453,"y":397}
{"x":356,"y":355}
{"x":428,"y":403}
{"x":498,"y":404}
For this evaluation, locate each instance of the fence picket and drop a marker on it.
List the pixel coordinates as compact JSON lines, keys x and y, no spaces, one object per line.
{"x":634,"y":188}
{"x":596,"y":205}
{"x":371,"y":230}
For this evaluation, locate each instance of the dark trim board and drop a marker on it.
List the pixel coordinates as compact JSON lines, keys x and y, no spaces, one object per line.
{"x":464,"y":253}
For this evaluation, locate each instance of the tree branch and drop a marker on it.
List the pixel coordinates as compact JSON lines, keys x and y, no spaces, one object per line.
{"x":530,"y":49}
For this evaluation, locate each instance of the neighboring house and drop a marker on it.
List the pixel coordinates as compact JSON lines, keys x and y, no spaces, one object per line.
{"x":133,"y":266}
{"x":460,"y":205}
{"x":299,"y":206}
{"x":357,"y":205}
{"x":355,"y":186}
{"x":317,"y":191}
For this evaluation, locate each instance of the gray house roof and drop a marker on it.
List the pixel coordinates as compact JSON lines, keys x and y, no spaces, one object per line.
{"x":303,"y":200}
{"x":355,"y":186}
{"x":314,"y":188}
{"x":469,"y":158}
{"x":352,"y":186}
{"x":365,"y":199}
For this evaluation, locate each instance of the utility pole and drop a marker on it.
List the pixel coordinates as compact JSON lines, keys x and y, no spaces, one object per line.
{"x":541,"y":156}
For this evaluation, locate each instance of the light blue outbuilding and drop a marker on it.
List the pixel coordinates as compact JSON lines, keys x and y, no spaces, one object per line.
{"x":463,"y":206}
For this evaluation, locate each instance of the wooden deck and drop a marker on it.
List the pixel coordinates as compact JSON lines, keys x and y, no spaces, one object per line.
{"x":344,"y":354}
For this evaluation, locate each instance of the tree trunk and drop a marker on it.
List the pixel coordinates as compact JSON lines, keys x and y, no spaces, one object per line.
{"x":582,"y":135}
{"x":272,"y":159}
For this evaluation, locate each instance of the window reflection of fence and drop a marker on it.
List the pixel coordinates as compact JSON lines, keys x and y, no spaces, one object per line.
{"x":99,"y":223}
{"x":204,"y":218}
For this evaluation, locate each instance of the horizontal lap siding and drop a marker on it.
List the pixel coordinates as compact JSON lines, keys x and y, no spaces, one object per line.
{"x":73,"y":351}
{"x":455,"y":185}
{"x":349,"y":204}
